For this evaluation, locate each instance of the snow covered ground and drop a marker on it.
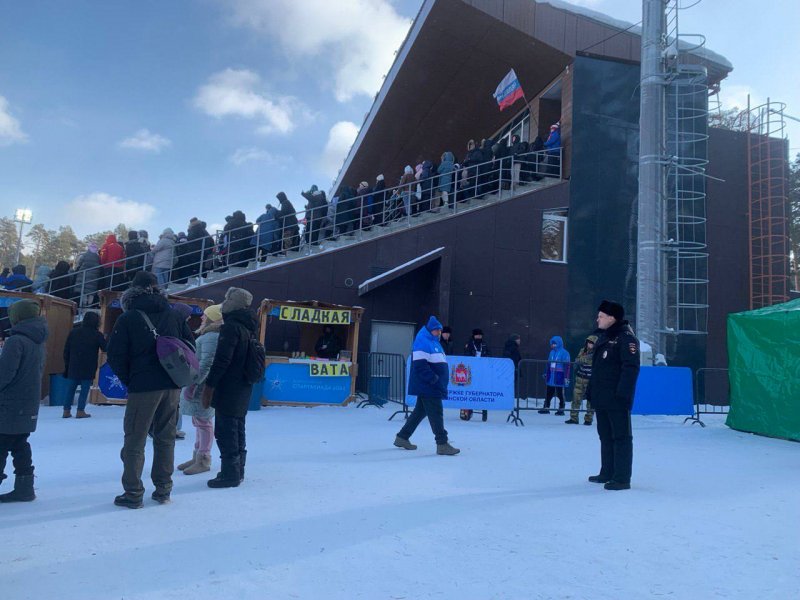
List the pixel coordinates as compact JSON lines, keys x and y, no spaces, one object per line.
{"x":331,"y":510}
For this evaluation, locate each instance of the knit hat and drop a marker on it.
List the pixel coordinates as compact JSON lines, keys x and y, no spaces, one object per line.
{"x":379,"y":178}
{"x":433,"y":323}
{"x":144,"y":279}
{"x":235,"y":299}
{"x":213,"y":312}
{"x":133,"y":236}
{"x":19,"y":270}
{"x":408,"y":170}
{"x":184,"y":310}
{"x":612,"y":309}
{"x":22,"y":310}
{"x":447,"y":329}
{"x":477,"y":332}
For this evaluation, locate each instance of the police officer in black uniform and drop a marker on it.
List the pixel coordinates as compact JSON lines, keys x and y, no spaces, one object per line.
{"x":615,"y":369}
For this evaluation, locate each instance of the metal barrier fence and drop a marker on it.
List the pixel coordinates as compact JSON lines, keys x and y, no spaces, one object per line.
{"x":190,"y":261}
{"x":712,"y":394}
{"x":531,"y":389}
{"x":382,"y":378}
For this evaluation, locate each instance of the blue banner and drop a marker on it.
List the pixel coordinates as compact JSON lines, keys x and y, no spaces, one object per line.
{"x":664,"y":391}
{"x":476,"y":383}
{"x":292,"y":382}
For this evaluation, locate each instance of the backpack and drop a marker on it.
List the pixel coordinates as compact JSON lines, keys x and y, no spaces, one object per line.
{"x":175,"y":355}
{"x":254,"y":366}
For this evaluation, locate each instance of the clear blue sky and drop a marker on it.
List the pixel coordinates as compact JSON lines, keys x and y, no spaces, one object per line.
{"x":152,"y":112}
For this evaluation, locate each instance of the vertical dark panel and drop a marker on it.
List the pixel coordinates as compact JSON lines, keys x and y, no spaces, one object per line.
{"x":604,"y":188}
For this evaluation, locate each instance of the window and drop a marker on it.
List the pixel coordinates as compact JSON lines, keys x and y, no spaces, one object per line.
{"x":554,"y":236}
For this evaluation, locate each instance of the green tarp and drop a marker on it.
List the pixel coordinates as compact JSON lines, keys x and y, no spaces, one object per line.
{"x":764,"y":369}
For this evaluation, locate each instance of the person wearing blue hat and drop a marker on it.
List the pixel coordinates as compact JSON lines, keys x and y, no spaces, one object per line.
{"x":428,"y":382}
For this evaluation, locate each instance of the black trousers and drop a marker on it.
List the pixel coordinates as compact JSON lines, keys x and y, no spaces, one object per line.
{"x":616,"y":444}
{"x":430,"y":407}
{"x":558,"y":392}
{"x":20,"y":449}
{"x":231,"y":441}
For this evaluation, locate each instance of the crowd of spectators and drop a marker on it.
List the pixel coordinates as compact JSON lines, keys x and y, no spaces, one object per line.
{"x":429,"y":186}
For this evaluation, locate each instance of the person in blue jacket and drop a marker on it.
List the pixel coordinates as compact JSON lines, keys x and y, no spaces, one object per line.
{"x":428,"y":382}
{"x":557,"y":374}
{"x":267,"y":233}
{"x":553,"y":147}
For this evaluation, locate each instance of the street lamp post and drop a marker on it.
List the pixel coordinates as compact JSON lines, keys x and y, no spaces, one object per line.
{"x":22,"y":216}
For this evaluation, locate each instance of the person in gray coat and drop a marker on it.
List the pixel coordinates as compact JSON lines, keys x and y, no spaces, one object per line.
{"x":164,"y":257}
{"x":21,"y":366}
{"x":445,"y":188}
{"x":88,"y":273}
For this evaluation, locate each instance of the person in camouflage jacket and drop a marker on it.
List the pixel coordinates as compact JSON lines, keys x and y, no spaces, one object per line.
{"x":583,"y":373}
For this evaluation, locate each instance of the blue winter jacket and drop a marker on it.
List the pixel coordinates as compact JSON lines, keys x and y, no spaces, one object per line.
{"x":429,"y":371}
{"x":553,"y":142}
{"x":558,"y":364}
{"x":267,"y":228}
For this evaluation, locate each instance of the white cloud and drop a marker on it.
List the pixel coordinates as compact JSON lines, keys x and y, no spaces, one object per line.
{"x":359,"y":37}
{"x":146,"y":140}
{"x":238,"y":93}
{"x":99,"y":211}
{"x":253,"y":154}
{"x":10,"y":129}
{"x":340,"y":139}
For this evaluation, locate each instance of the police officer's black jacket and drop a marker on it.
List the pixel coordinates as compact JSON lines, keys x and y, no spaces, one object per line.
{"x":615,"y":368}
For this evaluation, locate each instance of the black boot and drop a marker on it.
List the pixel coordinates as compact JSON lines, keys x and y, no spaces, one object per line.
{"x":228,"y":476}
{"x":23,"y":490}
{"x":617,"y":485}
{"x":127,"y":501}
{"x":599,"y":479}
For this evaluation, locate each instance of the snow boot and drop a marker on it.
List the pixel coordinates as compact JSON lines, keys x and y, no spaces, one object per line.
{"x":23,"y":490}
{"x":67,"y":414}
{"x":128,"y":501}
{"x":571,"y":421}
{"x":559,"y":413}
{"x":599,"y":479}
{"x":587,"y":423}
{"x":161,"y":497}
{"x":402,"y":443}
{"x":201,"y":465}
{"x":617,"y":485}
{"x":179,"y":435}
{"x":229,"y":476}
{"x":82,"y":414}
{"x":185,"y":465}
{"x":544,"y":411}
{"x":446,"y":449}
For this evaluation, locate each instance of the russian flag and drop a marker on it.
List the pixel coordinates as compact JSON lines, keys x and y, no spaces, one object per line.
{"x":509,"y":91}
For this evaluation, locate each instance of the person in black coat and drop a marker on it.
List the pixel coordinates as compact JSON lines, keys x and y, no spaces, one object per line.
{"x":519,"y":150}
{"x":21,"y":365}
{"x":61,"y":281}
{"x":328,"y":345}
{"x":502,"y":165}
{"x":226,"y":388}
{"x":446,"y":340}
{"x":289,"y":228}
{"x":80,"y":362}
{"x":134,"y":251}
{"x":615,"y":369}
{"x":346,"y":212}
{"x":486,"y":174}
{"x":198,"y":249}
{"x":241,"y":245}
{"x":152,"y":394}
{"x":476,"y":346}
{"x":511,"y":350}
{"x":316,"y":212}
{"x":378,"y":201}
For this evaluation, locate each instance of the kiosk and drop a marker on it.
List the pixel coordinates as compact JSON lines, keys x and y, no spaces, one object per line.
{"x":294,"y":376}
{"x":108,"y":388}
{"x":60,"y":315}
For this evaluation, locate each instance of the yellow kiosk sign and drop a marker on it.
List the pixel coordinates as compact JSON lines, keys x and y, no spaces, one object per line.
{"x":329,"y":369}
{"x":322,"y":316}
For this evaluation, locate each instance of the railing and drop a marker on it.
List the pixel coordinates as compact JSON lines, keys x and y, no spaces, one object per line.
{"x":531,"y":386}
{"x":712,"y":394}
{"x":191,"y":261}
{"x":382,"y":378}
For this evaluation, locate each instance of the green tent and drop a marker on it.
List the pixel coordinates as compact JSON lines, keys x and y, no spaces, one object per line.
{"x":764,"y":370}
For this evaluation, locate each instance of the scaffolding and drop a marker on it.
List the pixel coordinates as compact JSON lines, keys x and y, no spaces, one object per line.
{"x":767,"y":153}
{"x":686,"y":141}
